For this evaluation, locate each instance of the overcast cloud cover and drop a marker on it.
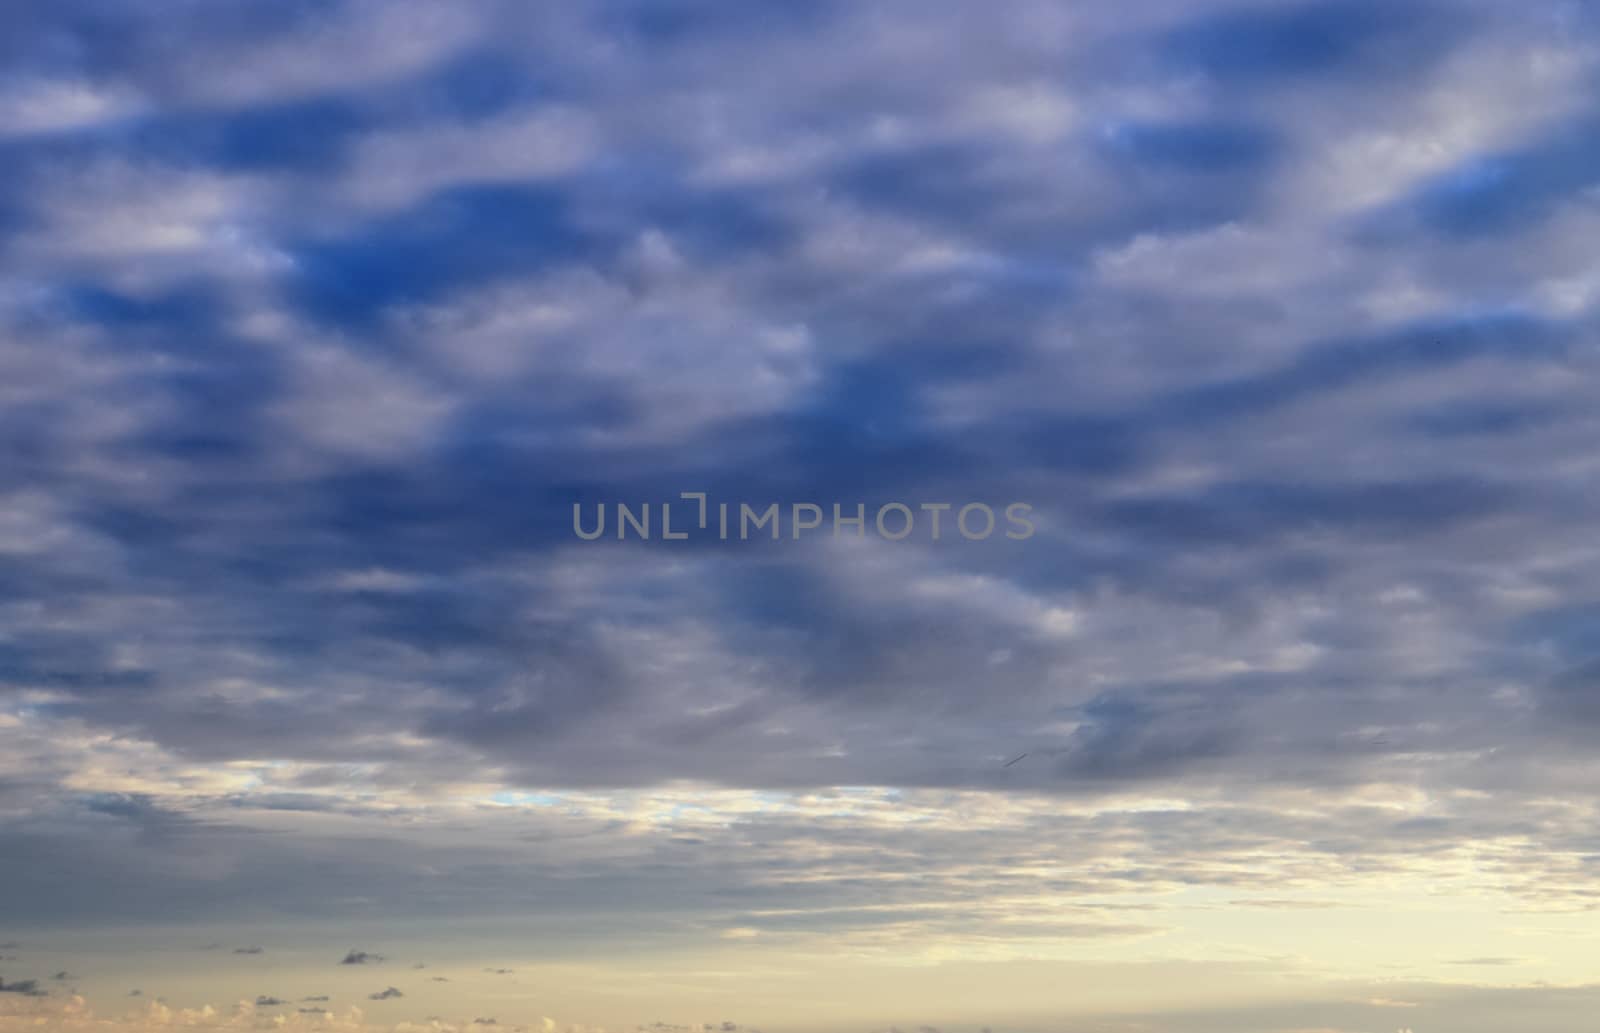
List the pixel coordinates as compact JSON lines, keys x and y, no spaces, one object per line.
{"x":318,"y":318}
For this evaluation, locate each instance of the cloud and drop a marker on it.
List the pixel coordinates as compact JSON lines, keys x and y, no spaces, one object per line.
{"x":384,"y":995}
{"x":1280,"y":316}
{"x":355,"y":957}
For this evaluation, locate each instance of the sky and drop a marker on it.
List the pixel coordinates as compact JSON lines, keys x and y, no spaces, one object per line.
{"x":327,"y":328}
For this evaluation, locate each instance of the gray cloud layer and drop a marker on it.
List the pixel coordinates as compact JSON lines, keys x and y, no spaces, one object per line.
{"x":321,"y":317}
